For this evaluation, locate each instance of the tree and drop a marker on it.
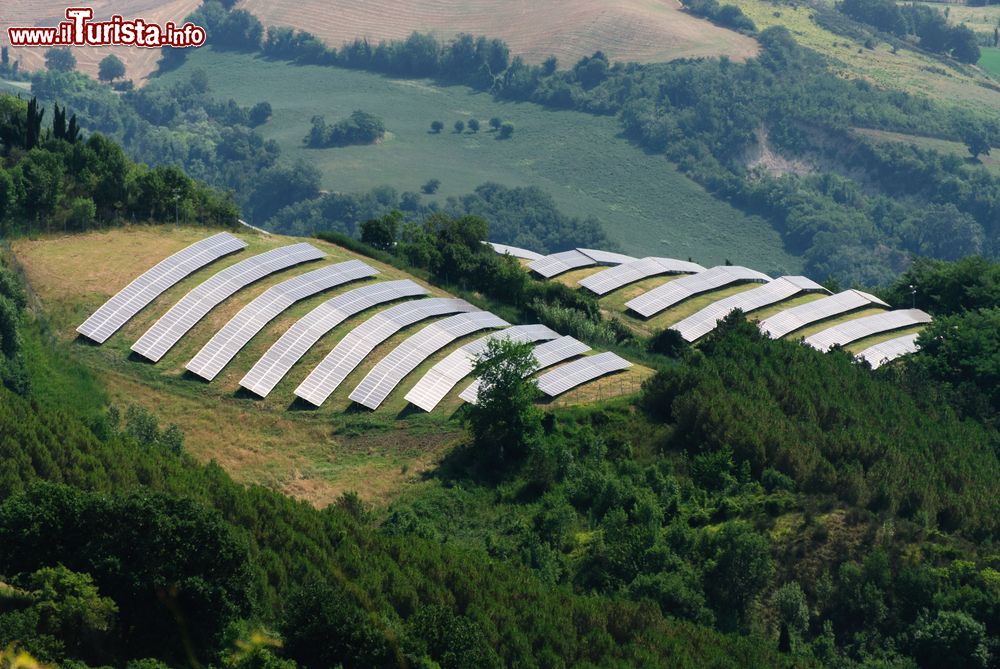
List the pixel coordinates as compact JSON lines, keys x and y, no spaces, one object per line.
{"x":381,"y":232}
{"x":260,"y":113}
{"x":431,"y":186}
{"x":437,"y":126}
{"x":506,"y":130}
{"x":964,"y":44}
{"x":951,"y":639}
{"x":976,"y":140}
{"x":110,"y":68}
{"x":473,"y":125}
{"x":789,"y":605}
{"x":496,"y":122}
{"x":60,"y":60}
{"x":504,"y":419}
{"x":459,"y":127}
{"x":740,"y":571}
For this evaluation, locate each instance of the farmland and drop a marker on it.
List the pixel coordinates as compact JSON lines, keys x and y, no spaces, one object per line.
{"x":627,"y":30}
{"x":644,"y":203}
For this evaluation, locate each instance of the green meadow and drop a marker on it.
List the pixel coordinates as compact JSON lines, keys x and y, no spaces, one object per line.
{"x":644,"y":203}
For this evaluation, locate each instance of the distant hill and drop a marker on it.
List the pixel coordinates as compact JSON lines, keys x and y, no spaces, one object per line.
{"x":627,"y":30}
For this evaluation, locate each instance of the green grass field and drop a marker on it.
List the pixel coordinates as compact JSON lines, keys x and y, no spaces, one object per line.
{"x":990,"y":60}
{"x":645,"y":204}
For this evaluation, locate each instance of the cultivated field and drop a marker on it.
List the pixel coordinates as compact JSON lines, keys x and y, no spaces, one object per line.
{"x":139,"y":63}
{"x":645,"y":204}
{"x":627,"y":30}
{"x":315,"y":454}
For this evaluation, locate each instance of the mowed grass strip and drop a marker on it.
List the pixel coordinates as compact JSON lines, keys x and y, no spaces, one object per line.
{"x":644,"y":203}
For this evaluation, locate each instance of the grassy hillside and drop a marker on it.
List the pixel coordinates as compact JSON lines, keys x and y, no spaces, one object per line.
{"x":312,"y":454}
{"x":991,"y":162}
{"x":628,"y":30}
{"x":940,"y":79}
{"x":990,"y":61}
{"x":643,"y":202}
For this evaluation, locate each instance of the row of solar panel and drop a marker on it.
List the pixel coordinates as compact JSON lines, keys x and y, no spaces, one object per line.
{"x":290,"y":347}
{"x":626,"y":270}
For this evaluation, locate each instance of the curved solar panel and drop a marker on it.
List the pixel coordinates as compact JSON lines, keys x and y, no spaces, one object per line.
{"x":613,"y":278}
{"x":443,"y":376}
{"x":359,"y":342}
{"x":887,"y":351}
{"x":515,"y":251}
{"x":252,"y":318}
{"x":403,"y":359}
{"x":134,"y":297}
{"x":704,"y":321}
{"x":662,"y":297}
{"x":557,"y":263}
{"x":845,"y":333}
{"x":790,"y":320}
{"x":578,"y":372}
{"x":293,"y":344}
{"x":203,"y":298}
{"x":546,"y":355}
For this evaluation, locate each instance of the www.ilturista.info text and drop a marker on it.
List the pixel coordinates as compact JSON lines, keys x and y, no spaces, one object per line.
{"x":79,"y":30}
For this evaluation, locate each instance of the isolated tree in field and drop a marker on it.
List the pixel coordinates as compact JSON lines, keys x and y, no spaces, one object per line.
{"x":111,"y":68}
{"x":496,"y":122}
{"x":459,"y":127}
{"x":381,"y":232}
{"x":976,"y":140}
{"x":431,"y":186}
{"x":504,"y":419}
{"x":473,"y":125}
{"x":259,"y":113}
{"x":437,"y":126}
{"x":506,"y":130}
{"x":60,"y":60}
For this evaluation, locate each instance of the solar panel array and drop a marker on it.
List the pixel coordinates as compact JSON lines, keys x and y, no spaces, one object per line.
{"x":546,"y":355}
{"x":799,"y":316}
{"x":252,"y":318}
{"x":403,"y":359}
{"x":443,"y":376}
{"x":606,"y":257}
{"x":845,"y":333}
{"x":515,"y":251}
{"x":613,"y":278}
{"x":879,"y":354}
{"x":360,"y":341}
{"x":192,"y":307}
{"x":134,"y":297}
{"x":293,"y":344}
{"x":557,"y":263}
{"x":578,"y":372}
{"x":662,"y":297}
{"x":702,"y":322}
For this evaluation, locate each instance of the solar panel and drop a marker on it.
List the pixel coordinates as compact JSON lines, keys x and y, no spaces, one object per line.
{"x":859,"y":328}
{"x":557,"y":263}
{"x":444,"y":375}
{"x":662,"y":297}
{"x":134,"y":297}
{"x":606,"y":257}
{"x":613,"y":278}
{"x":704,"y":321}
{"x":203,"y":298}
{"x":524,"y":254}
{"x":546,"y":355}
{"x":879,"y":354}
{"x":293,"y":344}
{"x":578,"y":372}
{"x":359,"y":342}
{"x":252,"y":318}
{"x":403,"y":359}
{"x":797,"y":317}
